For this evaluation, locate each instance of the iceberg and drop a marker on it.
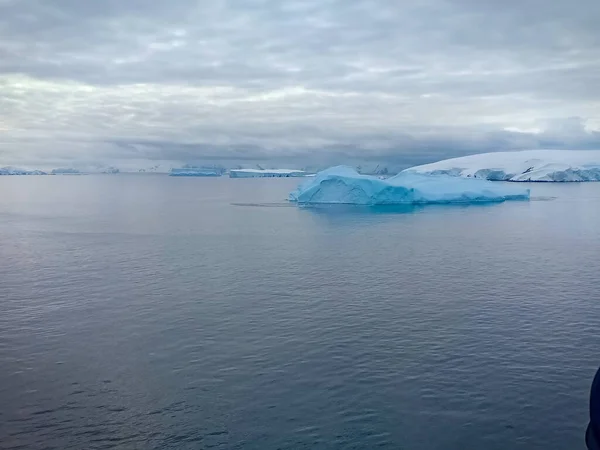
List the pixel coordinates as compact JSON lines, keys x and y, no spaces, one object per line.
{"x":265,"y":173}
{"x":528,"y":165}
{"x":18,"y":171}
{"x":343,"y":185}
{"x":195,"y":172}
{"x":67,"y":171}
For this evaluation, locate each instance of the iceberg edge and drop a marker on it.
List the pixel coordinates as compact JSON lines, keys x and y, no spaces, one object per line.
{"x":344,"y":186}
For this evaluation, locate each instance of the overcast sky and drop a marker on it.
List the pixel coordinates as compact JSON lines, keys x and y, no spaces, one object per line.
{"x":116,"y":81}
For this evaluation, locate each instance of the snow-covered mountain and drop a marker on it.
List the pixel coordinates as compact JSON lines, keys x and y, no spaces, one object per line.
{"x":528,"y":165}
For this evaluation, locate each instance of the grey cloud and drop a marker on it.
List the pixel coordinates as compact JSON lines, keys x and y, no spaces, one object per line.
{"x":313,"y":79}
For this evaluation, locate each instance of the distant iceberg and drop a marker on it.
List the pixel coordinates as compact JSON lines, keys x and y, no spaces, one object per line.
{"x":67,"y":171}
{"x":266,"y":173}
{"x":195,"y":172}
{"x":528,"y":165}
{"x":343,"y":185}
{"x":18,"y":171}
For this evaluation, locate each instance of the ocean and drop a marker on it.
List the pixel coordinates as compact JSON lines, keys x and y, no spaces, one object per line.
{"x":151,"y":312}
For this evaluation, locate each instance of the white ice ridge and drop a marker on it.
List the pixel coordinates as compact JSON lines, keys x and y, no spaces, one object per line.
{"x":343,"y":185}
{"x":528,"y":165}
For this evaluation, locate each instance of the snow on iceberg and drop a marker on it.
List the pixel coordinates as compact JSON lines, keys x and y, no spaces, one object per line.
{"x":343,"y":185}
{"x":528,"y":165}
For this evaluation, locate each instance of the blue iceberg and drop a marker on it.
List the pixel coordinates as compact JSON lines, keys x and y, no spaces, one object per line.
{"x":195,"y":172}
{"x":268,"y":173}
{"x":343,"y":185}
{"x":65,"y":171}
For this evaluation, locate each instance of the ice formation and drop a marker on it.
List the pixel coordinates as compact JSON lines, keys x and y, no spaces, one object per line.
{"x":195,"y":172}
{"x":18,"y":171}
{"x":65,"y":171}
{"x":343,"y":185}
{"x":267,"y":173}
{"x":529,"y":165}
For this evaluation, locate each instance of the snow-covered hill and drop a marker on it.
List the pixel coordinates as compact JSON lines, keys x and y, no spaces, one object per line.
{"x":529,"y":165}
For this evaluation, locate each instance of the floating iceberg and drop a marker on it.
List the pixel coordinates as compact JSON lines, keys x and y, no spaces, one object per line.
{"x":343,"y":185}
{"x":195,"y":172}
{"x":267,"y":173}
{"x":67,"y":171}
{"x":18,"y":171}
{"x":529,"y":165}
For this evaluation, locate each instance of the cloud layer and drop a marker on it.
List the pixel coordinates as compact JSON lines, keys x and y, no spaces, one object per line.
{"x":298,"y":81}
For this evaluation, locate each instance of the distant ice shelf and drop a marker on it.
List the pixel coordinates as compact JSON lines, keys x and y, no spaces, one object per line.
{"x":267,"y":173}
{"x":9,"y":170}
{"x":528,"y":165}
{"x":343,"y":185}
{"x":194,"y":172}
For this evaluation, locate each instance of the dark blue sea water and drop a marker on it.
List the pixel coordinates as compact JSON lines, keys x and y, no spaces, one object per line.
{"x":148,"y":312}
